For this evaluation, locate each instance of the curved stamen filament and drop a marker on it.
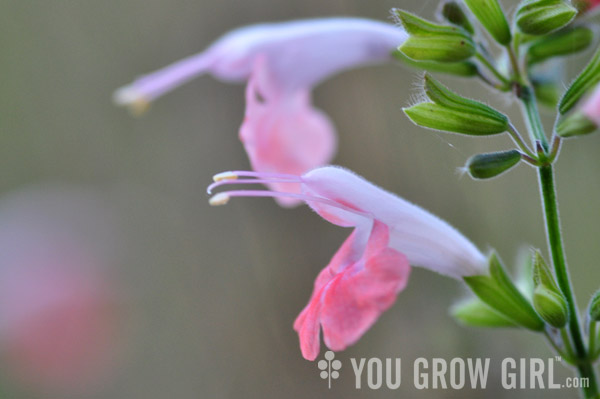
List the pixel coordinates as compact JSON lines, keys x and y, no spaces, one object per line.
{"x":223,"y":182}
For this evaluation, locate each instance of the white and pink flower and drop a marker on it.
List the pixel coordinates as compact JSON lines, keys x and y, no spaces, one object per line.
{"x":364,"y":277}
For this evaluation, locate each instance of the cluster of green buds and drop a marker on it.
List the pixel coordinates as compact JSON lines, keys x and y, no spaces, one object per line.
{"x":538,"y":32}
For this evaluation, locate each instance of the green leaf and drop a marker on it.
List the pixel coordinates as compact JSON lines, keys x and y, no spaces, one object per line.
{"x":490,"y":15}
{"x":485,"y":166}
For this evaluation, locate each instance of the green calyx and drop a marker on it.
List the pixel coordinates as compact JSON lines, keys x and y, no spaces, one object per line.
{"x":473,"y":312}
{"x":561,"y":43}
{"x":548,"y":300}
{"x":540,"y":17}
{"x":575,"y":124}
{"x":497,"y":291}
{"x":461,"y":68}
{"x":485,"y":166}
{"x":587,"y":79}
{"x":490,"y":15}
{"x":433,"y":42}
{"x":450,"y":112}
{"x":452,"y":12}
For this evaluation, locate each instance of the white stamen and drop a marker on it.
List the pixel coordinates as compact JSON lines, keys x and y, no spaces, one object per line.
{"x":225,"y":176}
{"x":219,"y":199}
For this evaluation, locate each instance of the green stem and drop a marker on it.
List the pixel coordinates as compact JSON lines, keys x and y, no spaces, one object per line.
{"x":550,"y":204}
{"x":536,"y":128}
{"x":564,"y":334}
{"x":562,"y":352}
{"x":519,"y":140}
{"x":492,"y":69}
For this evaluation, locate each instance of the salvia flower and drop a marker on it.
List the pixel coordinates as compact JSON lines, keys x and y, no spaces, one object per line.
{"x":372,"y":266}
{"x":282,"y":131}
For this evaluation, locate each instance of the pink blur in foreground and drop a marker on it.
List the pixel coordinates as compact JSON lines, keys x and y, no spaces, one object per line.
{"x":372,"y":266}
{"x":59,"y":320}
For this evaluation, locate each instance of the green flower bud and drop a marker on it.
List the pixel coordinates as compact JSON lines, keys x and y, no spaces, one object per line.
{"x":542,"y":275}
{"x":463,"y":68}
{"x":498,"y":292}
{"x":491,"y":16}
{"x":587,"y":79}
{"x":540,"y":17}
{"x":452,"y":12}
{"x":473,"y":312}
{"x":576,"y":124}
{"x":594,"y":307}
{"x":548,"y":299}
{"x":432,"y":42}
{"x":485,"y":166}
{"x":551,"y":306}
{"x":450,"y":112}
{"x":438,"y":117}
{"x":565,"y":42}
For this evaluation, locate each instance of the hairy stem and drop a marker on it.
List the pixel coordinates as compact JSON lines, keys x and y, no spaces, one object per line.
{"x":550,"y":205}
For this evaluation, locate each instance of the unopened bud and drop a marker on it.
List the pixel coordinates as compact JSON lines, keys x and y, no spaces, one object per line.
{"x":548,"y":299}
{"x":587,"y":79}
{"x":452,"y":12}
{"x":560,"y":43}
{"x":433,"y":42}
{"x":485,"y":166}
{"x":491,"y":16}
{"x":540,"y":17}
{"x":461,"y":68}
{"x":551,"y":306}
{"x":450,"y":112}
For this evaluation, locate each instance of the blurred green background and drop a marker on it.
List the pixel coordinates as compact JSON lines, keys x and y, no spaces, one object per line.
{"x":213,"y":292}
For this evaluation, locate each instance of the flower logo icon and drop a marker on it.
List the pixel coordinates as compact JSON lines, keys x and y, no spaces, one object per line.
{"x":329,"y":367}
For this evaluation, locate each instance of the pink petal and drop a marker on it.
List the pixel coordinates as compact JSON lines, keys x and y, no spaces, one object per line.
{"x":352,"y":303}
{"x":307,"y":326}
{"x":282,"y":132}
{"x":348,"y":302}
